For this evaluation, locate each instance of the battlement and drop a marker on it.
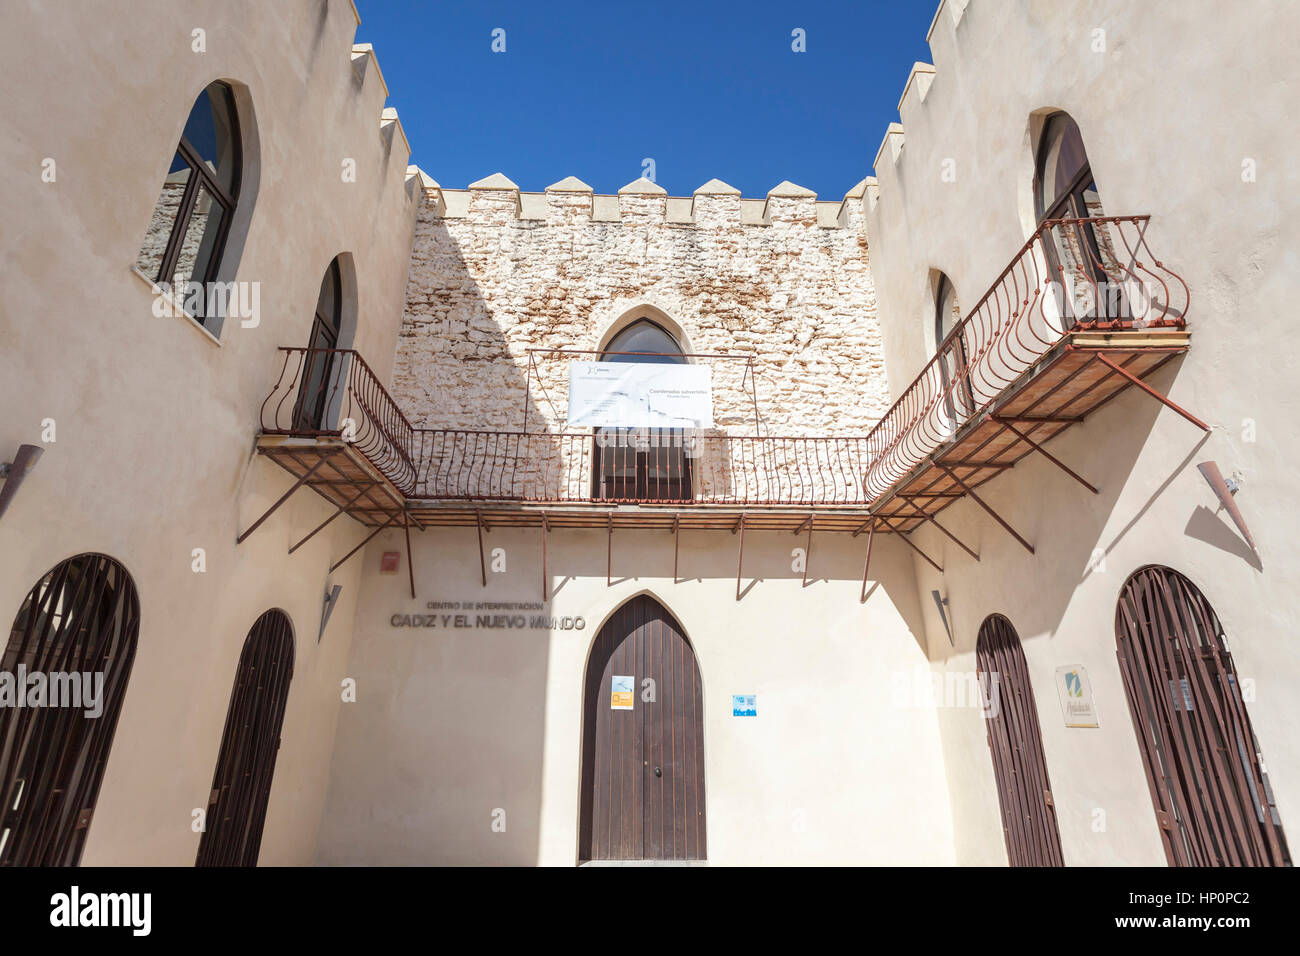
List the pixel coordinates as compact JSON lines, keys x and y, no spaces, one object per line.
{"x":714,"y":205}
{"x":942,"y":38}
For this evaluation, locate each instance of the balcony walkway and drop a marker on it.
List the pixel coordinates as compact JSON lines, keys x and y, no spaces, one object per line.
{"x":1082,"y":314}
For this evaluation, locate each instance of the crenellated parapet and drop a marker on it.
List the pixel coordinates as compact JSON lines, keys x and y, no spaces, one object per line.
{"x":942,"y":38}
{"x":500,"y":279}
{"x":714,"y":205}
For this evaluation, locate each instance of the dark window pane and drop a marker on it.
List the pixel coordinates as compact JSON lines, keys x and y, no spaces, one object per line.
{"x":1062,"y":159}
{"x":165,"y":210}
{"x":327,"y":303}
{"x":210,"y":132}
{"x":644,"y":336}
{"x":199,"y":244}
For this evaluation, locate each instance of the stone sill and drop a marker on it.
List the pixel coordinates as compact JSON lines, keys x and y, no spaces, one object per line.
{"x":178,"y":309}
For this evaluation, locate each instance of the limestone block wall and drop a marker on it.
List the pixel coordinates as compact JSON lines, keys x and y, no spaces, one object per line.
{"x":495,"y":273}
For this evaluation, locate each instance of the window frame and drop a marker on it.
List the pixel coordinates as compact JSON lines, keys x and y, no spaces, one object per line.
{"x":1068,"y":203}
{"x":201,"y":177}
{"x":683,"y":483}
{"x":954,"y":343}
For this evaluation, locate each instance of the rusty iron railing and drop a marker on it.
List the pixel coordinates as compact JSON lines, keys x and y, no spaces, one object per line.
{"x":1071,"y":275}
{"x":325,"y":393}
{"x":645,"y":466}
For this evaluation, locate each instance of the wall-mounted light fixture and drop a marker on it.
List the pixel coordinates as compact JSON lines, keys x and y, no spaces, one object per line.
{"x":13,"y":472}
{"x":331,"y":599}
{"x":1224,"y":490}
{"x":941,"y":603}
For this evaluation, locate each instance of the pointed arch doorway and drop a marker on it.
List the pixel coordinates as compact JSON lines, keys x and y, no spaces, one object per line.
{"x":643,"y":750}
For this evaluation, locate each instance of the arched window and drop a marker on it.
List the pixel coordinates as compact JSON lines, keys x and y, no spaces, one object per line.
{"x":1063,"y":179}
{"x":241,"y":785}
{"x":1081,"y":254}
{"x":77,"y":630}
{"x":1213,"y":801}
{"x":643,"y":341}
{"x":322,"y":361}
{"x":642,"y":464}
{"x":958,"y":403}
{"x":1016,"y":744}
{"x":191,"y":220}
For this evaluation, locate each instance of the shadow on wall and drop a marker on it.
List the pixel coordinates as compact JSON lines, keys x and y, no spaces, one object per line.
{"x":455,"y":365}
{"x":440,"y":758}
{"x":634,"y":556}
{"x":1068,"y":524}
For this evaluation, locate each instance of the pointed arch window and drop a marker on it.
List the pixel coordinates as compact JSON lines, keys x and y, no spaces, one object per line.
{"x":323,"y":361}
{"x":642,"y":464}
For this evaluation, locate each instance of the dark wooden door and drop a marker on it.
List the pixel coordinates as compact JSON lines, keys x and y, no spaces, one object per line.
{"x":643,"y":768}
{"x":1016,"y":744}
{"x":241,"y":785}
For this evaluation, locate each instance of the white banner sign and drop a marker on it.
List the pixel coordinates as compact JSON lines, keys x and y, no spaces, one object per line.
{"x":640,"y":395}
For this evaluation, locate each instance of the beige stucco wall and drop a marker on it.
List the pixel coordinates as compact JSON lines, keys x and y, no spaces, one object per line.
{"x":1178,"y":100}
{"x":452,"y":725}
{"x":155,"y":421}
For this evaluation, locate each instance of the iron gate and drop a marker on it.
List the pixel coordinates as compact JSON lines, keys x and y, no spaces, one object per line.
{"x":241,"y":785}
{"x":82,"y":618}
{"x":1016,"y":743}
{"x":1213,"y":801}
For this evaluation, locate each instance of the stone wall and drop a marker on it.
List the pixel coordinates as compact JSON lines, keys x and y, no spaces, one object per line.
{"x":495,"y":273}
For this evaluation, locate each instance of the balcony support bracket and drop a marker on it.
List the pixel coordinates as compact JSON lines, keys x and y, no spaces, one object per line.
{"x":1163,"y":400}
{"x":677,"y":538}
{"x":546,"y":583}
{"x":410,"y":565}
{"x":953,"y":537}
{"x":740,"y":554}
{"x":980,"y":501}
{"x":364,"y":541}
{"x":866,"y":566}
{"x":482,"y":560}
{"x":1007,"y":424}
{"x":908,"y":541}
{"x":325,"y":456}
{"x":364,"y":487}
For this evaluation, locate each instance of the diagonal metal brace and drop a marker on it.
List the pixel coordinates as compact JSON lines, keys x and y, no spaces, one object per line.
{"x":980,"y":501}
{"x":285,"y":497}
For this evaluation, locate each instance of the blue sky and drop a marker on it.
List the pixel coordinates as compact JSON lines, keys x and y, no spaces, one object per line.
{"x":706,"y":89}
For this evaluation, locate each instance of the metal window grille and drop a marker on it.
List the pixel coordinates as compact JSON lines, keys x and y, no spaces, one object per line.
{"x":1016,"y":743}
{"x":1212,"y":797}
{"x":82,"y":618}
{"x":241,"y":786}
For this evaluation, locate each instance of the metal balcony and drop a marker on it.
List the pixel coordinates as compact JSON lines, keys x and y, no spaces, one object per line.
{"x":1082,"y":313}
